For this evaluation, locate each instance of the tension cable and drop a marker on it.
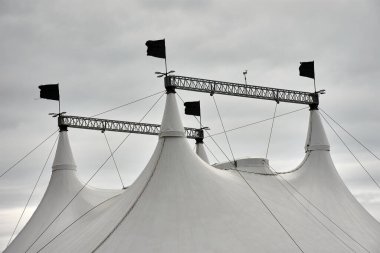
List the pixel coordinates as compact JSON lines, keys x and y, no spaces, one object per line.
{"x":270,"y":211}
{"x":308,"y":210}
{"x":129,"y":103}
{"x":209,"y":135}
{"x":113,"y":158}
{"x":31,"y":194}
{"x":351,"y":153}
{"x":28,"y":153}
{"x":372,"y":153}
{"x":271,"y":130}
{"x":85,"y":184}
{"x":132,"y":102}
{"x":260,"y":121}
{"x":318,"y":209}
{"x":224,"y":130}
{"x":209,"y":150}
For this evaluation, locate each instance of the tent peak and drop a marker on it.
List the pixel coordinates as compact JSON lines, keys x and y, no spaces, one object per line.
{"x":316,"y":135}
{"x":64,"y":159}
{"x":171,"y":122}
{"x":201,"y":152}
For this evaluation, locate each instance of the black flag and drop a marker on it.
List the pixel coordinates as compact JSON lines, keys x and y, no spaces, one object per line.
{"x":49,"y":91}
{"x":156,"y":48}
{"x":307,"y":69}
{"x":193,"y":108}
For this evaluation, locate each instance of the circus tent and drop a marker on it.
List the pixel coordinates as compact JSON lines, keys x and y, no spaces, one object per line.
{"x":180,"y":203}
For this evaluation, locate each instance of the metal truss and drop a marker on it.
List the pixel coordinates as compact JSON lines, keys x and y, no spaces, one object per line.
{"x":240,"y":90}
{"x":120,"y":126}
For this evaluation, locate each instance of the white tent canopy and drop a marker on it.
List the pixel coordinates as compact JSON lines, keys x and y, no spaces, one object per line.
{"x":179,"y":203}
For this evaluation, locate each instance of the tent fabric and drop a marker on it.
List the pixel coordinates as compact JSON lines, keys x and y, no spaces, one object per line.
{"x":179,"y":203}
{"x":259,"y":166}
{"x":63,"y":186}
{"x":201,"y":152}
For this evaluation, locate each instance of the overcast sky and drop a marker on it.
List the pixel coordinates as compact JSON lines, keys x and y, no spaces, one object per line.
{"x":96,"y":51}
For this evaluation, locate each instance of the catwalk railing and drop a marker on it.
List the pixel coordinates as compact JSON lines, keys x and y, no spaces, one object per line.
{"x":120,"y":126}
{"x":241,"y":90}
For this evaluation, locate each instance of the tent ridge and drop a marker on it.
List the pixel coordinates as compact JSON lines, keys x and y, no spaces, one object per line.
{"x":134,"y":203}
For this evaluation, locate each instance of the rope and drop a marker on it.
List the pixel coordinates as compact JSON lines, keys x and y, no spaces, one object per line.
{"x":80,"y":217}
{"x":233,"y":129}
{"x":320,"y":211}
{"x":228,"y":159}
{"x":80,"y":190}
{"x":236,"y":128}
{"x":31,"y":194}
{"x":352,"y":153}
{"x":137,"y":100}
{"x":5,"y":172}
{"x":271,"y":130}
{"x":209,"y":150}
{"x":261,"y":121}
{"x":308,"y":210}
{"x":134,"y":203}
{"x":273,"y":215}
{"x":209,"y":135}
{"x":372,"y":153}
{"x":224,"y":130}
{"x":114,"y":161}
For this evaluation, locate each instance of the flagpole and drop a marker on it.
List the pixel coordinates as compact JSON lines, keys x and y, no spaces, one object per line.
{"x":200,"y":115}
{"x":166,"y":67}
{"x":59,"y":101}
{"x":315,"y":88}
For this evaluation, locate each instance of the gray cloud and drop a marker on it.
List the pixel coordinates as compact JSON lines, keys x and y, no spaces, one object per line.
{"x":96,"y":51}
